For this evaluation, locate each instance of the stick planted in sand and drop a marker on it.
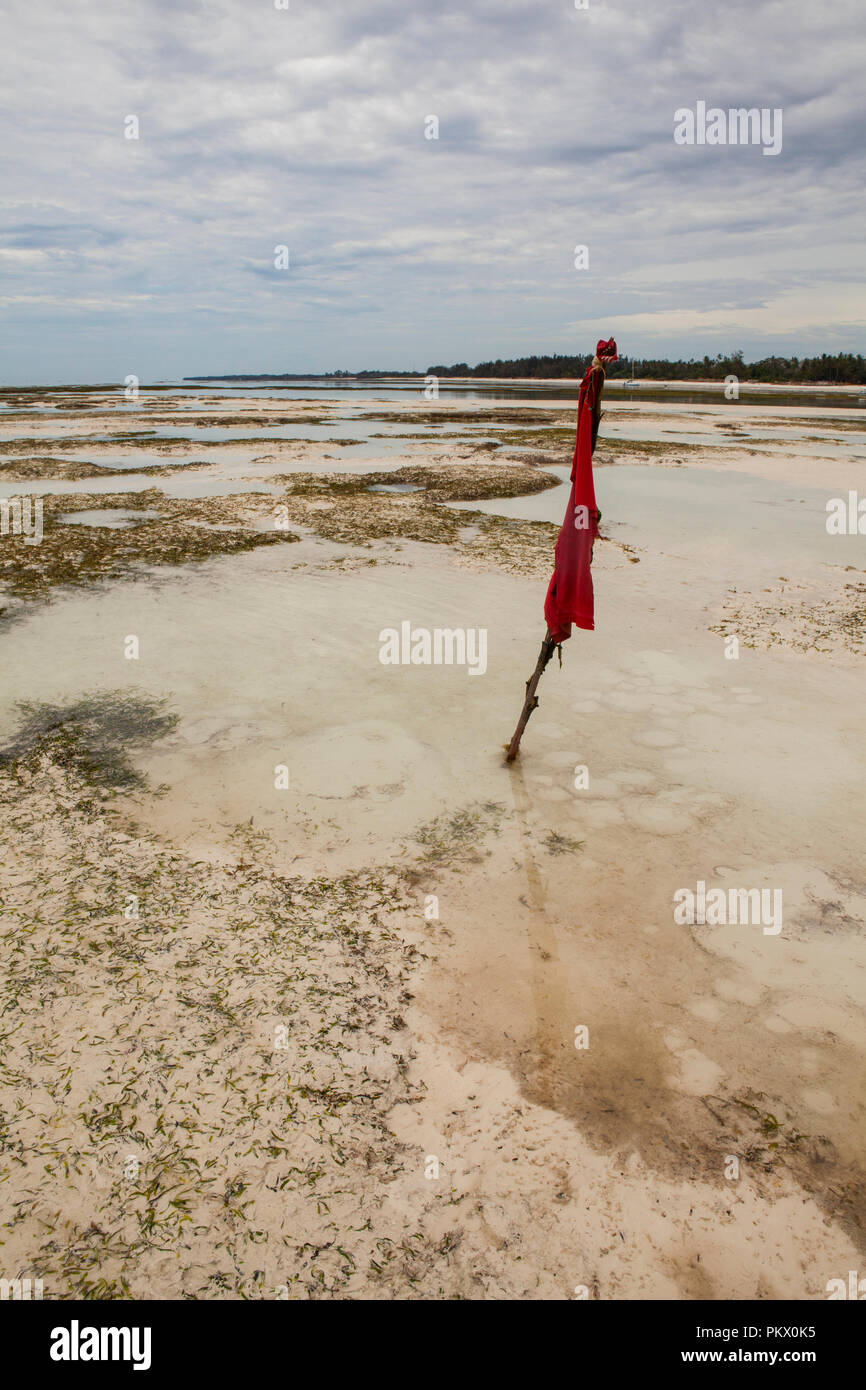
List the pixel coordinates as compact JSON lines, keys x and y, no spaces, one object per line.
{"x":548,"y":647}
{"x":569,"y":595}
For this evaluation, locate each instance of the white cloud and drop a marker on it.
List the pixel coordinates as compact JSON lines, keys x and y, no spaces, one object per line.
{"x":306,"y":127}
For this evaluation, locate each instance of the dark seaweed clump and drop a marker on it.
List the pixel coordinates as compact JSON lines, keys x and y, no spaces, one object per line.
{"x":93,"y":737}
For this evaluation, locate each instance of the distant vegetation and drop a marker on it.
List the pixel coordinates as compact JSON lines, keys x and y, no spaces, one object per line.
{"x":842,"y":368}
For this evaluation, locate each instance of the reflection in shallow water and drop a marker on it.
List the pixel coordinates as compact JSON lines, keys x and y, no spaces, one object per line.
{"x":696,"y":512}
{"x":394,"y":487}
{"x":115,"y":518}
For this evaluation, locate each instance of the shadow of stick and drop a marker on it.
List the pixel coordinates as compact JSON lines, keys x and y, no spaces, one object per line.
{"x":549,"y":991}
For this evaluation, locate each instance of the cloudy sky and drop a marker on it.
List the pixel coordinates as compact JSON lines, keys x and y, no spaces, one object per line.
{"x":306,"y":127}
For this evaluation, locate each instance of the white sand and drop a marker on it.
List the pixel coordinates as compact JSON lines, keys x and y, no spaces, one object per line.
{"x":602,"y":1168}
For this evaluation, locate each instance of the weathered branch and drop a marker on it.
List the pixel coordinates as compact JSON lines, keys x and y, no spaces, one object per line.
{"x":548,"y":647}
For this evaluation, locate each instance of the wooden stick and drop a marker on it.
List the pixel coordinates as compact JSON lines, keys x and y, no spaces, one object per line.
{"x":548,"y":647}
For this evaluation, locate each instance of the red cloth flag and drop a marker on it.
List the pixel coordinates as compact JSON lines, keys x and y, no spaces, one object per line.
{"x":569,"y":594}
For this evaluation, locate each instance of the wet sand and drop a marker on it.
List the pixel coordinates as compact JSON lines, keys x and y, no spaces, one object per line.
{"x":430,"y":930}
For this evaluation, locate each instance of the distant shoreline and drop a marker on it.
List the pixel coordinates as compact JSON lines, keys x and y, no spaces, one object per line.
{"x":536,"y":387}
{"x":612,"y":384}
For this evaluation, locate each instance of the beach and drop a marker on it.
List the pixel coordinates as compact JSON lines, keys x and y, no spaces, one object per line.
{"x":308,"y":995}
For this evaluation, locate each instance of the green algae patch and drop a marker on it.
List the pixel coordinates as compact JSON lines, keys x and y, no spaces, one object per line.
{"x":45,"y":466}
{"x":341,"y":507}
{"x":609,"y":450}
{"x":199,"y":1060}
{"x":21,"y":470}
{"x":452,"y":482}
{"x":452,"y":840}
{"x":76,"y":555}
{"x":145,"y":440}
{"x":210,"y":422}
{"x":487,"y":417}
{"x":91,"y":737}
{"x":509,"y":543}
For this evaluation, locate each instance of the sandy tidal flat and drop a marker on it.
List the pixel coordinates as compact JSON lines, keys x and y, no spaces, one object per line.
{"x":305,"y":993}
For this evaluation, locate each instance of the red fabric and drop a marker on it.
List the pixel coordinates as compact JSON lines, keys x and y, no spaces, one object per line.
{"x":606,"y":350}
{"x":569,"y":594}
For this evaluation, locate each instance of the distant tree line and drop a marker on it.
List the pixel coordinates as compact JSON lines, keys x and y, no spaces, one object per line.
{"x":842,"y":368}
